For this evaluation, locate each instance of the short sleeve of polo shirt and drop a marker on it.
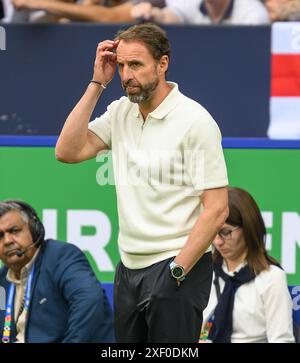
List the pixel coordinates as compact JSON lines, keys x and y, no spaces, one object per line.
{"x":101,"y":126}
{"x":204,"y":161}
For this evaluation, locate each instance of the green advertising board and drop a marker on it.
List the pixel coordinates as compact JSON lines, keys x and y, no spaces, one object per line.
{"x":74,"y":207}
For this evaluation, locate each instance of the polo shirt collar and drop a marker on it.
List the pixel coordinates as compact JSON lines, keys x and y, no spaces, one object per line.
{"x":227,"y":14}
{"x":167,"y":105}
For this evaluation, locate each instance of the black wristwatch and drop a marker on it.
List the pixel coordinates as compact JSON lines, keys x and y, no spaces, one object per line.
{"x":177,"y":271}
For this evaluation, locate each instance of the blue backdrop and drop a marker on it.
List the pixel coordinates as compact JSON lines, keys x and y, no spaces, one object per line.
{"x":46,"y":68}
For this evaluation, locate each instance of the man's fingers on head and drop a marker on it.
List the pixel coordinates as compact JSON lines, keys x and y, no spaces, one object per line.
{"x":107,"y":54}
{"x":108,"y":44}
{"x":106,"y":41}
{"x":105,"y":51}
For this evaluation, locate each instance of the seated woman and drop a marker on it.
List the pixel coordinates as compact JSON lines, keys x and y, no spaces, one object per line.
{"x":249,"y":300}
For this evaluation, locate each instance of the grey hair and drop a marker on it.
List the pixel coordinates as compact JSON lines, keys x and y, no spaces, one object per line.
{"x":9,"y":206}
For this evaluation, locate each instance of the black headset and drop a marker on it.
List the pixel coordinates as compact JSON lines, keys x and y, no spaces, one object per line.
{"x":36,"y":227}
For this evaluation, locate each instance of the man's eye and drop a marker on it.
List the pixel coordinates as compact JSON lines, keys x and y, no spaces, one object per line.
{"x":16,"y":230}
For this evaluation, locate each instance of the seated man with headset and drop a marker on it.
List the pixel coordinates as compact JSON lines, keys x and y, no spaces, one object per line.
{"x":52,"y":294}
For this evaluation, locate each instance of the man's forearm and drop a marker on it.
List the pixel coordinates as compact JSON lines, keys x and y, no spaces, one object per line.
{"x":94,"y":13}
{"x":74,"y":133}
{"x":165,"y":16}
{"x":71,"y":11}
{"x":201,"y":237}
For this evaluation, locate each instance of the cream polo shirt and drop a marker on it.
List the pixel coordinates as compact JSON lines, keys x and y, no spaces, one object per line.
{"x":161,"y":166}
{"x":20,"y":319}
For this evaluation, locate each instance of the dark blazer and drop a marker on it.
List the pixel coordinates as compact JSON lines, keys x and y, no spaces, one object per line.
{"x":67,"y":303}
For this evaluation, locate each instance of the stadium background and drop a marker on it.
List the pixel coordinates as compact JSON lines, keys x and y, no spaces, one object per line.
{"x":45,"y":69}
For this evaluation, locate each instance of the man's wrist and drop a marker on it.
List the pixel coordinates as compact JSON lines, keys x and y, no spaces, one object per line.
{"x":177,"y":271}
{"x":101,"y":84}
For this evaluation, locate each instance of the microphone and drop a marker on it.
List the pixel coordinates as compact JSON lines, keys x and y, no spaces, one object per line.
{"x":21,"y":251}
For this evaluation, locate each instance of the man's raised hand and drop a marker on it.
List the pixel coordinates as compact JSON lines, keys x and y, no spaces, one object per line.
{"x":105,"y":62}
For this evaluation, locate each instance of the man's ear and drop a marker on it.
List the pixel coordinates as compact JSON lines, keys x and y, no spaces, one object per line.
{"x":163,"y":64}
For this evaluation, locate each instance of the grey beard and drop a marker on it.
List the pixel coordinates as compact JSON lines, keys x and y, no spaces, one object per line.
{"x":145,"y":93}
{"x":138,"y":98}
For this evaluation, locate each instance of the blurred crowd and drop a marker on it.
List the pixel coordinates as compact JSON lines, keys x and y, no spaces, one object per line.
{"x":233,"y":12}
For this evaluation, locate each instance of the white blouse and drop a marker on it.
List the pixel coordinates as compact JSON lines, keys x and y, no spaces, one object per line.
{"x":262,"y":310}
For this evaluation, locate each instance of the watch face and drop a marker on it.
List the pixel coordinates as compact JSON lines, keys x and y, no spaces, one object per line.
{"x":177,"y":272}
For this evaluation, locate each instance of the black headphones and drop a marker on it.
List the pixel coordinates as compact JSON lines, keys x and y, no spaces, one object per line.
{"x":36,"y":227}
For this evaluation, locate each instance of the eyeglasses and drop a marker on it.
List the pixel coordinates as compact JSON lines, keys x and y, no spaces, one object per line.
{"x":227,"y":233}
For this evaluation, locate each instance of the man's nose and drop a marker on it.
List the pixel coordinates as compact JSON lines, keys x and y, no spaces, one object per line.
{"x":126,"y":74}
{"x":8,"y":238}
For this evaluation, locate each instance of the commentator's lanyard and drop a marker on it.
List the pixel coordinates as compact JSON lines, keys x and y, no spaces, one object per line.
{"x":9,"y":305}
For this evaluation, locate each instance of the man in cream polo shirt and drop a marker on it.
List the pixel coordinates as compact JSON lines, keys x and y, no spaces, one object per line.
{"x":171,"y":183}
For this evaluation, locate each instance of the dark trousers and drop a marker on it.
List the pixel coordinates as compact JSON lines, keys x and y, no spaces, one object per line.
{"x":149,"y":307}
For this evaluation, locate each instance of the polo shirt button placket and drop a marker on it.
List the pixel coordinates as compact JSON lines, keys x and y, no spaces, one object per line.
{"x":142,"y":128}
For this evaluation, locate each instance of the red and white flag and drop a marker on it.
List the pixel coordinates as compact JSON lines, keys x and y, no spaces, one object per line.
{"x":285,"y":81}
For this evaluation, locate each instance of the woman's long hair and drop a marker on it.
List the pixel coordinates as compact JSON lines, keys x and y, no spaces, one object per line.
{"x":244,"y":212}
